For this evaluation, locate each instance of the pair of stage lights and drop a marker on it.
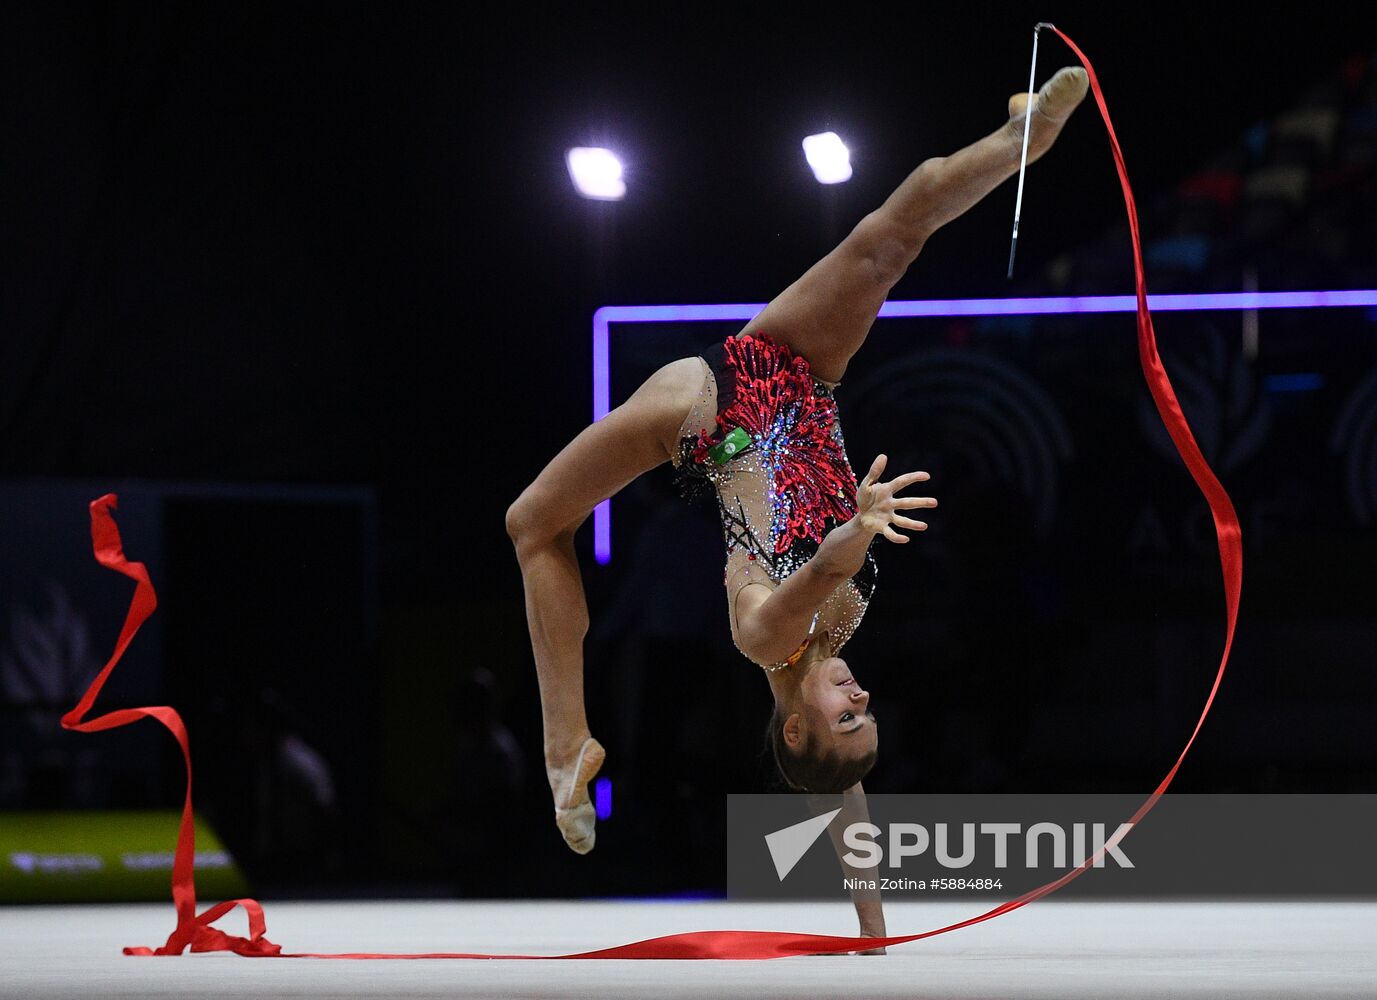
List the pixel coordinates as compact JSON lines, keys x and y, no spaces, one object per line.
{"x":597,"y":173}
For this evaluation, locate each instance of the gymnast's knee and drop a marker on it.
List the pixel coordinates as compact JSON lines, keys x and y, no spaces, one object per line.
{"x":523,"y":523}
{"x":529,"y":526}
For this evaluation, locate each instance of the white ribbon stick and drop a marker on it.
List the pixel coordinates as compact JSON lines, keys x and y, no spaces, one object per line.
{"x":1023,"y":160}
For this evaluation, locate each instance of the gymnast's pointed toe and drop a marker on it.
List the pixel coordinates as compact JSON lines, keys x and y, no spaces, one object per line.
{"x":574,"y":813}
{"x":577,"y":825}
{"x":1058,"y":97}
{"x":1061,"y":94}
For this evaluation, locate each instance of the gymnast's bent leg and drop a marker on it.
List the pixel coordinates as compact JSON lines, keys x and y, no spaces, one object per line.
{"x":826,"y":314}
{"x":605,"y":456}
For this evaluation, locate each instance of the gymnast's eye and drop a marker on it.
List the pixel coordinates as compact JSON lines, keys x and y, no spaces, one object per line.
{"x":846,"y":717}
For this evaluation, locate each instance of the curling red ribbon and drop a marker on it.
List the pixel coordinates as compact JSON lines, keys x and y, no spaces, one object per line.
{"x":194,"y":931}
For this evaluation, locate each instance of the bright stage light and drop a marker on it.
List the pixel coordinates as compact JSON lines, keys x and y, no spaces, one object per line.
{"x":829,"y":158}
{"x":596,"y":173}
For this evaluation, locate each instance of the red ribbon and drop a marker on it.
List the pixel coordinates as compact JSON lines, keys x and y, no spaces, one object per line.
{"x":195,"y":931}
{"x":192,"y":930}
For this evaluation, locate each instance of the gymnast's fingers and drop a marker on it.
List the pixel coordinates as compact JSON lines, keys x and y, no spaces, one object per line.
{"x":906,"y":522}
{"x":905,"y":503}
{"x":894,"y":536}
{"x":876,"y":467}
{"x":907,"y":479}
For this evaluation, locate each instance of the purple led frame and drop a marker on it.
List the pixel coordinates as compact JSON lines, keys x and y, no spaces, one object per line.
{"x":602,"y":514}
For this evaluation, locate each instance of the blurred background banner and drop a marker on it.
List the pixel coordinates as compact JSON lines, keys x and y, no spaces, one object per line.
{"x":264,"y":640}
{"x":92,"y":856}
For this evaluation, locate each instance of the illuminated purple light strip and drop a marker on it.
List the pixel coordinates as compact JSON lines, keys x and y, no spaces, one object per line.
{"x":602,"y":514}
{"x":602,"y":798}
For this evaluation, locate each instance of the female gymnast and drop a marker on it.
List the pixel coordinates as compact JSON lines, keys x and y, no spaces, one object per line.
{"x":754,"y":420}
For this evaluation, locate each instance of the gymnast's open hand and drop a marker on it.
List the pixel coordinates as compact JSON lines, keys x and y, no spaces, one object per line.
{"x":877,"y":507}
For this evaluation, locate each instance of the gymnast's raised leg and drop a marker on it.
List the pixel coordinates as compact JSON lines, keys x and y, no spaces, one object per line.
{"x":826,"y":314}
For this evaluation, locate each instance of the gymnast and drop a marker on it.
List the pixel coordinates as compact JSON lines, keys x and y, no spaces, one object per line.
{"x":753,"y":419}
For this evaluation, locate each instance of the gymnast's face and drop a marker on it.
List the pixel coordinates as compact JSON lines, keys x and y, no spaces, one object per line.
{"x":839,"y":716}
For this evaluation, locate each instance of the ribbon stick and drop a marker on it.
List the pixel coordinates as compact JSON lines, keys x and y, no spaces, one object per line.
{"x":1027,"y":127}
{"x":194,"y":931}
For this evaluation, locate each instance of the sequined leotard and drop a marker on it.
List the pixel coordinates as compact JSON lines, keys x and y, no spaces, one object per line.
{"x":782,"y":490}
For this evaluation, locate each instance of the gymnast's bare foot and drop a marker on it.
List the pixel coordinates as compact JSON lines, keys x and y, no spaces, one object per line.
{"x":1052,"y":106}
{"x":570,"y":768}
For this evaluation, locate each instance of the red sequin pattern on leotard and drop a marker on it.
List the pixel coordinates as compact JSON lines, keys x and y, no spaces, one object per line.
{"x":793,"y":427}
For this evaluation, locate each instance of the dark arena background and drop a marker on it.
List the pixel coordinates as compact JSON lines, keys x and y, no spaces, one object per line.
{"x":310,"y":288}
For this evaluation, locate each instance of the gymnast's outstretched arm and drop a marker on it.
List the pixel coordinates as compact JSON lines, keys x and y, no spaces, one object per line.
{"x":772,"y":623}
{"x":869,"y":905}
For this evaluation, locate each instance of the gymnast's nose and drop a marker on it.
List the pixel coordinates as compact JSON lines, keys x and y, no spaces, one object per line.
{"x":860,"y":696}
